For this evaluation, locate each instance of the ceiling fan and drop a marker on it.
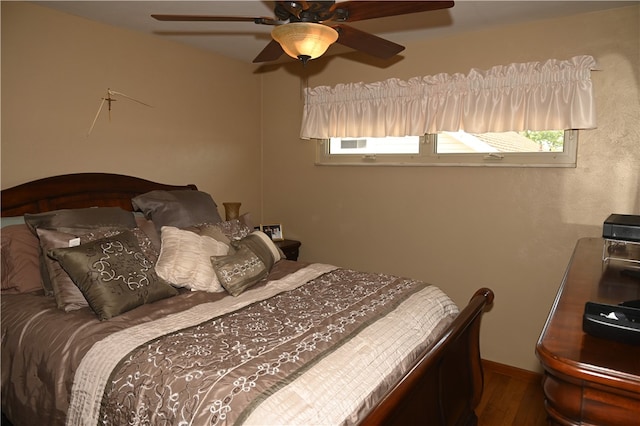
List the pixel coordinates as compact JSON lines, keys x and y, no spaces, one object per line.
{"x":305,"y":29}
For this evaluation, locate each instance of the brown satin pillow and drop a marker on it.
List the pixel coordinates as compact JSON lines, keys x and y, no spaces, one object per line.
{"x":20,"y":260}
{"x":113,"y":274}
{"x":179,"y":208}
{"x":68,"y":296}
{"x":93,"y":217}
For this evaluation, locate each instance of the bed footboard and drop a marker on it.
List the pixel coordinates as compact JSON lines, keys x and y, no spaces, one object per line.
{"x":444,"y":386}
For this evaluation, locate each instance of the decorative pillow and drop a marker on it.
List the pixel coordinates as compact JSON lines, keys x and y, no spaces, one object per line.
{"x":149,"y":229}
{"x":69,"y":220}
{"x":87,"y":218}
{"x":247,"y":220}
{"x":185,"y":259}
{"x":113,"y":274}
{"x":224,"y":231}
{"x":234,"y":229}
{"x":211,"y":231}
{"x":262,"y":246}
{"x":20,"y":260}
{"x":239,"y":271}
{"x":179,"y":208}
{"x":68,"y":296}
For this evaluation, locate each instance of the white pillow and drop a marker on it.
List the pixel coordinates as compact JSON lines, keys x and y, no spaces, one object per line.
{"x":185,"y":259}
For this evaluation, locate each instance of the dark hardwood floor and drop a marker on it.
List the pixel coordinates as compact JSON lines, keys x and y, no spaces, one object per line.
{"x":511,"y":396}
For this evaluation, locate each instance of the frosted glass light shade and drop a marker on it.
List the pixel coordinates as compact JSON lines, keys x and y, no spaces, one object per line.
{"x":304,"y":40}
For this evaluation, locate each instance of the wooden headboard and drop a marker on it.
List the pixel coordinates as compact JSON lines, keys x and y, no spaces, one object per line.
{"x":76,"y":191}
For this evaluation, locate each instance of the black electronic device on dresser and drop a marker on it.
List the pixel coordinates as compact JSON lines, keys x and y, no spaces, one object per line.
{"x":620,"y":320}
{"x":624,"y":227}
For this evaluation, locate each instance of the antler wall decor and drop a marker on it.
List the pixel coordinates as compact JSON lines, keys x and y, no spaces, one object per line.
{"x":109,"y":99}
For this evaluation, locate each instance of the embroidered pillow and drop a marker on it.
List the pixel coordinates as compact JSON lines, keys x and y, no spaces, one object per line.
{"x":69,"y":220}
{"x":68,"y":296}
{"x":185,"y":259}
{"x":239,"y":271}
{"x":262,"y":246}
{"x":149,"y":229}
{"x":113,"y":274}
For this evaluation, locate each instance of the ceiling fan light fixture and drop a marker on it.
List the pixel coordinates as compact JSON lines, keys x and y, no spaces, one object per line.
{"x":304,"y":40}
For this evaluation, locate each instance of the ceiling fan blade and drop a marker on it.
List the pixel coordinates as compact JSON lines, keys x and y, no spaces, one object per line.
{"x":361,"y":10}
{"x":366,"y":42}
{"x":271,"y":52}
{"x":208,"y":18}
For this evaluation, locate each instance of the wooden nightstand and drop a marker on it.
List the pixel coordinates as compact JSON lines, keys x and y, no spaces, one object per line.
{"x":290,"y":248}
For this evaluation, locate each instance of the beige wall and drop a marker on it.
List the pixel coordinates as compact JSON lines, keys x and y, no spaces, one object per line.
{"x":461,"y":228}
{"x":510,"y":229}
{"x":203,"y":127}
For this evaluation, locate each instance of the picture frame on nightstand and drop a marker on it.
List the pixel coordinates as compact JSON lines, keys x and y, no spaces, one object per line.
{"x":273,"y":231}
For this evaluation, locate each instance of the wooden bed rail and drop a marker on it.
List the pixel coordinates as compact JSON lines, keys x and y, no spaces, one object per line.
{"x":445,"y":383}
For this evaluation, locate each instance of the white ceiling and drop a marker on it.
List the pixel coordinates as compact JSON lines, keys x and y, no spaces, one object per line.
{"x":244,"y":40}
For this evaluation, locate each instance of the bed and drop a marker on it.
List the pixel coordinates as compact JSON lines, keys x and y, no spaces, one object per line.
{"x":288,"y":343}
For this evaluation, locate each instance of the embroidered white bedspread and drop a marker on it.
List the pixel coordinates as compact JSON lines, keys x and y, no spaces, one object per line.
{"x":339,"y":388}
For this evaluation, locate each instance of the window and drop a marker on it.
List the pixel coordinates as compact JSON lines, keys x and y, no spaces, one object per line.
{"x":390,"y":145}
{"x":371,"y":151}
{"x":556,"y":148}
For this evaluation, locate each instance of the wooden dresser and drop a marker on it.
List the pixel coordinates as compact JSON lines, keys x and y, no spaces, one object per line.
{"x":587,"y":380}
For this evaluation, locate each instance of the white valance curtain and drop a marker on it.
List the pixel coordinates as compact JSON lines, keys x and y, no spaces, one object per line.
{"x":556,"y":94}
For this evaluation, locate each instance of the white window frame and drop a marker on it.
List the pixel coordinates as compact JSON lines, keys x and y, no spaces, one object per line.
{"x":429,"y":157}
